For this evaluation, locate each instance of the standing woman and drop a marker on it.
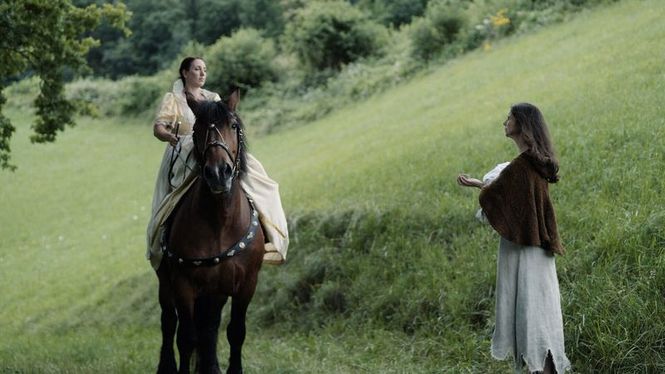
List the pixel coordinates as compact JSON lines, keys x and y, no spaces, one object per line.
{"x":529,"y":324}
{"x":174,"y":124}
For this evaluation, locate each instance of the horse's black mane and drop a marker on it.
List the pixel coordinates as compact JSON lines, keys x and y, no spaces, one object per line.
{"x":218,"y":112}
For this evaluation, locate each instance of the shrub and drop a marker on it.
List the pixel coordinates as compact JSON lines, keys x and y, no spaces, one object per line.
{"x":129,"y":96}
{"x":440,"y":27}
{"x":23,"y":93}
{"x":140,"y":94}
{"x":394,"y":12}
{"x":244,"y":59}
{"x":328,"y":35}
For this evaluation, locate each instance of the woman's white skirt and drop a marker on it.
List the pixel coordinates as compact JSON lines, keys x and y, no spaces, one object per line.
{"x":528,"y":308}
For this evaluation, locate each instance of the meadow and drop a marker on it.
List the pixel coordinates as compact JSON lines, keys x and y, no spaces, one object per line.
{"x":388,"y":270}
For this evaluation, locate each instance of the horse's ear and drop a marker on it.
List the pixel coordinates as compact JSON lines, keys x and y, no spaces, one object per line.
{"x":234,"y":98}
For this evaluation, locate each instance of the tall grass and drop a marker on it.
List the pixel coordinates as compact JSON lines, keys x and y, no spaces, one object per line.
{"x":388,"y":270}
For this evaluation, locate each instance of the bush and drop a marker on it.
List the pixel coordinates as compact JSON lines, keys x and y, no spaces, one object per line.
{"x":244,"y":59}
{"x":328,"y":35}
{"x":140,"y":94}
{"x":130,"y":96}
{"x":440,"y":27}
{"x":23,"y":93}
{"x":394,"y":12}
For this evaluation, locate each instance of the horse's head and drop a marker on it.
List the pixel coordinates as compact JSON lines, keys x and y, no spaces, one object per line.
{"x":219,"y":142}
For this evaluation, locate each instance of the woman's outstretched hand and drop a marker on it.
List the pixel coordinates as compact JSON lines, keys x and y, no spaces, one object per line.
{"x":466,"y":181}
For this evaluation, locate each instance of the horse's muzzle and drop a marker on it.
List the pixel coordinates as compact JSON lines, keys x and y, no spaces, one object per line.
{"x":219,"y":177}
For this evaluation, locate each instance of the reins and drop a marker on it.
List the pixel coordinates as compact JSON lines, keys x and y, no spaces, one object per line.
{"x":173,"y":158}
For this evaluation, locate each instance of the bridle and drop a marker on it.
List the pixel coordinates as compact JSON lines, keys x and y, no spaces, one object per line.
{"x":221,"y":142}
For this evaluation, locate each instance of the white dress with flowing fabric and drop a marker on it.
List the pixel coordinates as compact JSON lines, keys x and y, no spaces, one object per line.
{"x":528,"y":308}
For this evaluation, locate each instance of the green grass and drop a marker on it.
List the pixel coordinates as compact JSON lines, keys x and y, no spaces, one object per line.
{"x":388,"y":271}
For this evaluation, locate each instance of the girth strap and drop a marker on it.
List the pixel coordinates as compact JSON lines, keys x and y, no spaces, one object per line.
{"x":243,"y":243}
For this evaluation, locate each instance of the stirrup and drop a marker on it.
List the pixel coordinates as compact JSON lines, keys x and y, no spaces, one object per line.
{"x":272,"y":255}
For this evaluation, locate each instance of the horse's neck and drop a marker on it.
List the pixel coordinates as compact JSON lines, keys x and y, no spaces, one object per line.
{"x":224,"y":211}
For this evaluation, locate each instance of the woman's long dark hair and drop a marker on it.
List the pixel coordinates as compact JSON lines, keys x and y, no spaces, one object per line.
{"x":537,"y":138}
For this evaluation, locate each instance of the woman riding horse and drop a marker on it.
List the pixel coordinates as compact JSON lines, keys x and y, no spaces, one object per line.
{"x":217,"y":202}
{"x":213,"y":248}
{"x":173,"y":124}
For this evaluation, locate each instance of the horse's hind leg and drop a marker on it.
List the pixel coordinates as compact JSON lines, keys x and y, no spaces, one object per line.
{"x":235,"y":333}
{"x":207,"y":317}
{"x":167,"y":362}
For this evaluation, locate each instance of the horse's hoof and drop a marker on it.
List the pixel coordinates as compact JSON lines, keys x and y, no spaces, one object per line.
{"x":213,"y":370}
{"x":167,"y":370}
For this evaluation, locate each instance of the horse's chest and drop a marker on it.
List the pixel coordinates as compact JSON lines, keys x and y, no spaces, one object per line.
{"x":216,"y":279}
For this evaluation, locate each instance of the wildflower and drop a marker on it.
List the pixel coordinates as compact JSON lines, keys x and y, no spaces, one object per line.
{"x":500,"y":19}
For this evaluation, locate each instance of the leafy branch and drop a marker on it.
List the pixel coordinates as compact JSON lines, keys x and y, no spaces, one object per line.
{"x":42,"y":38}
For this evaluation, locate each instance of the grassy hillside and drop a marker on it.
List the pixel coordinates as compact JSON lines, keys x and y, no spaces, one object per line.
{"x":389,"y":270}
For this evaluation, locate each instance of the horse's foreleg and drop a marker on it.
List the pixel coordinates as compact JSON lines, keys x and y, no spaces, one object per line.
{"x":207,"y":317}
{"x":235,"y":333}
{"x":167,"y":357}
{"x":186,"y":339}
{"x":167,"y":362}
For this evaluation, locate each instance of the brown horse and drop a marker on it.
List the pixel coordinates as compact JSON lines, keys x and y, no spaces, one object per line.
{"x":213,"y":248}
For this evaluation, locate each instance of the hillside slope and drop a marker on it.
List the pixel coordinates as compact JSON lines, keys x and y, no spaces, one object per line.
{"x":388,"y":271}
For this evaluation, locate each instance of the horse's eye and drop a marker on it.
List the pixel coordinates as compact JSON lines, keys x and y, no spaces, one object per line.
{"x":234,"y":125}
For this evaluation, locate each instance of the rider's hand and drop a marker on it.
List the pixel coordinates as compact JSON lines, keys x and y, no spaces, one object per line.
{"x":162,"y":133}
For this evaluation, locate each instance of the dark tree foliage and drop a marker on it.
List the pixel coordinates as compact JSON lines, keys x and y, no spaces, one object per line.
{"x":245,"y":59}
{"x":439,"y":27}
{"x":211,"y":19}
{"x":45,"y":38}
{"x":109,"y":37}
{"x":393,"y":12}
{"x":161,"y":28}
{"x":266,"y":15}
{"x":329,"y":34}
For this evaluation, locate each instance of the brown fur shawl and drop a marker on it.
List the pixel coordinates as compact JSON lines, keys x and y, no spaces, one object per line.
{"x":518,"y":206}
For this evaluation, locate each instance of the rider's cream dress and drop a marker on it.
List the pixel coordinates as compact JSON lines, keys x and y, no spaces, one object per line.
{"x":173,"y":182}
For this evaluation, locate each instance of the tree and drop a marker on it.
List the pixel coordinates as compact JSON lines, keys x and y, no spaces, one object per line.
{"x":330,"y":34}
{"x":211,"y":19}
{"x":393,"y":12}
{"x":246,"y":59}
{"x":161,"y":28}
{"x":440,"y":27}
{"x":263,"y":15}
{"x":44,"y":38}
